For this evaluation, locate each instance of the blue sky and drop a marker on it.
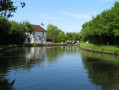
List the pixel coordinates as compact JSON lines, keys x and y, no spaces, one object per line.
{"x":68,"y":15}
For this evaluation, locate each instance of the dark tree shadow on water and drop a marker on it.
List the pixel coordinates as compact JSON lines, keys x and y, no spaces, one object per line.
{"x":6,"y":84}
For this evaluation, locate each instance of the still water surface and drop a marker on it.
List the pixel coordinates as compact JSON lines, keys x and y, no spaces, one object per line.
{"x":59,"y":68}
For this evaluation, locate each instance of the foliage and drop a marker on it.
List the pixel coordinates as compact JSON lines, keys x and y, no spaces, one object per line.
{"x":28,"y":27}
{"x":62,"y":37}
{"x":17,"y":33}
{"x":12,"y":32}
{"x":7,"y":7}
{"x":72,"y":36}
{"x":103,"y":28}
{"x":53,"y":38}
{"x":6,"y":85}
{"x":53,"y":30}
{"x":4,"y":29}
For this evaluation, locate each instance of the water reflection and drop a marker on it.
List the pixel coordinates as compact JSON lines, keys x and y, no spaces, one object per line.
{"x":103,"y":70}
{"x":64,"y":68}
{"x":36,"y":55}
{"x":28,"y":57}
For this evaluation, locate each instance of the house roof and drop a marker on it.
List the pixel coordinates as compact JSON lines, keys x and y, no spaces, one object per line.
{"x":38,"y":28}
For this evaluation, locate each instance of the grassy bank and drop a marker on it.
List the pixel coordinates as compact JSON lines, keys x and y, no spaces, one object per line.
{"x":4,"y":47}
{"x":100,"y":48}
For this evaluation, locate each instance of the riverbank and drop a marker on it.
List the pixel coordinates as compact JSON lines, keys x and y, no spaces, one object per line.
{"x":46,"y":44}
{"x":5,"y":47}
{"x":105,"y":49}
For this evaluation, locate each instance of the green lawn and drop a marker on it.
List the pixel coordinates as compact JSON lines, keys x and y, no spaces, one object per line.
{"x":100,"y":48}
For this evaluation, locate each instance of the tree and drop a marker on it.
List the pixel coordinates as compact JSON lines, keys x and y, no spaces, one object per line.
{"x":4,"y":30}
{"x":17,"y":33}
{"x":53,"y":30}
{"x":103,"y":28}
{"x":7,"y":7}
{"x":62,"y":37}
{"x":72,"y":36}
{"x":53,"y":38}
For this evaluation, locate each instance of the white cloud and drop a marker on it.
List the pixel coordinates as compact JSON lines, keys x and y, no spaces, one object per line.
{"x":87,"y":15}
{"x":46,"y":17}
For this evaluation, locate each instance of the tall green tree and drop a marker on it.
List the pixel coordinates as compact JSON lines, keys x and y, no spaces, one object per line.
{"x":4,"y":30}
{"x":17,"y":33}
{"x":53,"y":30}
{"x":104,"y":28}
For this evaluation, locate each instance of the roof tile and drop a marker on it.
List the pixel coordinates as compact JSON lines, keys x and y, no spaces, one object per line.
{"x":38,"y":28}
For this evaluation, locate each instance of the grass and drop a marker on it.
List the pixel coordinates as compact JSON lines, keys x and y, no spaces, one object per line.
{"x":100,"y":48}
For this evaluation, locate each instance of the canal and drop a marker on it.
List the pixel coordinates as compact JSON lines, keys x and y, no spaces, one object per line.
{"x":57,"y":68}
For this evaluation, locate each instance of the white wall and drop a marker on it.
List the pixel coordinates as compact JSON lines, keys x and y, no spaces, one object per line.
{"x":39,"y":34}
{"x":36,"y":34}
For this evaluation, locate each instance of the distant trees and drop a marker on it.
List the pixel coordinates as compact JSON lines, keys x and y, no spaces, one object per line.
{"x":57,"y":35}
{"x":53,"y":31}
{"x":104,"y":28}
{"x":7,"y":7}
{"x":12,"y":32}
{"x":62,"y":37}
{"x":72,"y":36}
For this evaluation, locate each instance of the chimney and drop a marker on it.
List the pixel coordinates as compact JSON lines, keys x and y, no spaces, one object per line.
{"x":27,"y":21}
{"x":42,"y":25}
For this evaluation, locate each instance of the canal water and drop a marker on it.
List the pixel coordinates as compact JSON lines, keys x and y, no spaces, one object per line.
{"x":57,"y":68}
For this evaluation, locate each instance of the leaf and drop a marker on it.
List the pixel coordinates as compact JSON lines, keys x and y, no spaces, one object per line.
{"x":12,"y":82}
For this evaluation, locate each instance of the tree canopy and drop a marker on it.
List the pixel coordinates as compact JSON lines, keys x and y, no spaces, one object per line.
{"x":12,"y":32}
{"x":7,"y":7}
{"x":53,"y":30}
{"x":104,"y":28}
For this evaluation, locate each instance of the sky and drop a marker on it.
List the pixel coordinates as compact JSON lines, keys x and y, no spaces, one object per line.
{"x":68,"y":15}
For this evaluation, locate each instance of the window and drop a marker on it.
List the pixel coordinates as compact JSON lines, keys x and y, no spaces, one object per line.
{"x":33,"y":32}
{"x":42,"y":33}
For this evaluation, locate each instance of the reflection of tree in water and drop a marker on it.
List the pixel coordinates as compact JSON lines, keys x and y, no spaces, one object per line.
{"x":103,"y":70}
{"x":71,"y":49}
{"x":13,"y":58}
{"x":19,"y":58}
{"x":26,"y":58}
{"x":54,"y":52}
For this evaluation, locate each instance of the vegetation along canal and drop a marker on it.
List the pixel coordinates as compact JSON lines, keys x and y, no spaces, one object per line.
{"x":58,"y":68}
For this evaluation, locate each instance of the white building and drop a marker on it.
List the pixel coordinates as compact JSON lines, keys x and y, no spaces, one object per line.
{"x":37,"y":36}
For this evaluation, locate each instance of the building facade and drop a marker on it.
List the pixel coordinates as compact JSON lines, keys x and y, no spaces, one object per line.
{"x":37,"y":36}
